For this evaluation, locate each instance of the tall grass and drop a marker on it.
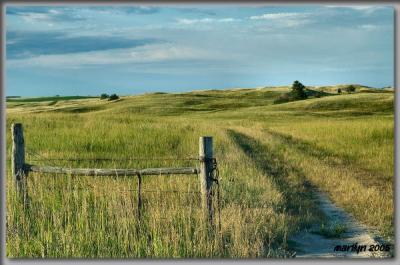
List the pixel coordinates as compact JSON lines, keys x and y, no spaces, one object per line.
{"x":366,"y":194}
{"x":368,"y":142}
{"x":96,"y":217}
{"x":266,"y":177}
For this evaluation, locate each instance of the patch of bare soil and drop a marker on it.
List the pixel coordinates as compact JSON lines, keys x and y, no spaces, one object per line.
{"x":349,"y":242}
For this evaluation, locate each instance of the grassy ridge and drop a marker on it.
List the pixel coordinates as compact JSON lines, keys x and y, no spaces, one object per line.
{"x":270,"y":157}
{"x":381,"y":102}
{"x":42,"y":99}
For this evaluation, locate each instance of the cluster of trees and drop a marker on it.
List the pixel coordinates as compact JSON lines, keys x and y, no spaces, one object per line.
{"x":109,"y":97}
{"x":298,"y":93}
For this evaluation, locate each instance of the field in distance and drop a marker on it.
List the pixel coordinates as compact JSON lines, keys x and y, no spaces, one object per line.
{"x":270,"y":157}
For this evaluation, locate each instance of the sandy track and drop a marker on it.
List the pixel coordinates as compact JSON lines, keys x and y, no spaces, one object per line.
{"x":309,"y":244}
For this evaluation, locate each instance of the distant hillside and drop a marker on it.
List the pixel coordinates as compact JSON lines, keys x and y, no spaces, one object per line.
{"x":211,"y":101}
{"x":352,"y":102}
{"x":334,"y":88}
{"x":41,"y":99}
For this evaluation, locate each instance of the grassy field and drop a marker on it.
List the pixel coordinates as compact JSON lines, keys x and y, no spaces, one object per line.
{"x":270,"y":158}
{"x":42,"y":99}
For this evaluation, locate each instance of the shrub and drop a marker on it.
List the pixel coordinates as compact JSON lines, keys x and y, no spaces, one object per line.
{"x":297,"y":93}
{"x":104,"y":96}
{"x":350,"y":89}
{"x":113,"y":97}
{"x":339,"y":91}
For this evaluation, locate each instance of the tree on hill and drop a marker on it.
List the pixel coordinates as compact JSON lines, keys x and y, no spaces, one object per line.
{"x":298,"y":91}
{"x":104,"y":96}
{"x":113,"y":97}
{"x":350,"y":89}
{"x":339,"y":91}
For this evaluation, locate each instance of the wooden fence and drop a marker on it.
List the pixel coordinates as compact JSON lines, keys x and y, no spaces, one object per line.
{"x":20,"y":170}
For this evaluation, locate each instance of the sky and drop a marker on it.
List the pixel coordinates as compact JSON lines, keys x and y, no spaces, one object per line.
{"x":134,"y":49}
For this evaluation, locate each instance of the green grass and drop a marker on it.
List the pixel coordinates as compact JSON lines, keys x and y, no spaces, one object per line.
{"x":41,"y":99}
{"x":335,"y":230}
{"x":367,"y":103}
{"x":270,"y":159}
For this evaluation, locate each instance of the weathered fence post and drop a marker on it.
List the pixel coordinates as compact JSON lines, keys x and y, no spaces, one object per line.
{"x":206,"y":165}
{"x":18,"y":159}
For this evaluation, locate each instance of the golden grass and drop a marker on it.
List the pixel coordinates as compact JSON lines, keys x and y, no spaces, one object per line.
{"x":269,"y":160}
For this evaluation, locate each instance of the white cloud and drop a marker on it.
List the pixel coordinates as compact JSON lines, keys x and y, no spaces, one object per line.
{"x":363,"y":8}
{"x":185,"y":21}
{"x":54,"y":12}
{"x":277,"y":16}
{"x":284,"y":19}
{"x":33,"y":17}
{"x":368,"y":27}
{"x":146,"y":54}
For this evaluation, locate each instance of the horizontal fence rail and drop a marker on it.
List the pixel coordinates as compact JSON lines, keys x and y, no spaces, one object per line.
{"x":111,"y":172}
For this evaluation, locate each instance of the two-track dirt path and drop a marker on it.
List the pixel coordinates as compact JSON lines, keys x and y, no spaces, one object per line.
{"x":309,"y":244}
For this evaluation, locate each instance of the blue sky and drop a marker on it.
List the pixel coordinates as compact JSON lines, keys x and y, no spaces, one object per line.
{"x":88,"y":50}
